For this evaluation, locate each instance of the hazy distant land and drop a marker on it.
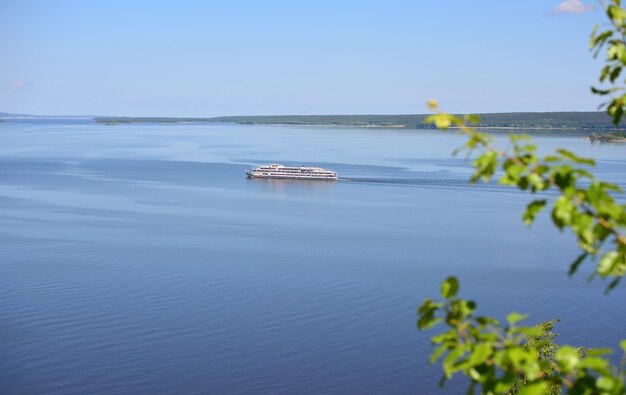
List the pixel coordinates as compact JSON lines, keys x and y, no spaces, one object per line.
{"x":598,"y":121}
{"x":5,"y":116}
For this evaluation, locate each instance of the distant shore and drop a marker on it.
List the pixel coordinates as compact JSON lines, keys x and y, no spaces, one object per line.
{"x":591,"y":121}
{"x":594,"y":122}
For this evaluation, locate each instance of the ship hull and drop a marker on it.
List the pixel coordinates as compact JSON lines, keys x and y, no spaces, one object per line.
{"x":276,"y":171}
{"x":282,"y":177}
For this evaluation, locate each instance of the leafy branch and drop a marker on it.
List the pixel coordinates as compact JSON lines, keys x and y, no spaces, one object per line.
{"x":584,"y":203}
{"x":511,"y":358}
{"x":613,"y":39}
{"x":514,"y":359}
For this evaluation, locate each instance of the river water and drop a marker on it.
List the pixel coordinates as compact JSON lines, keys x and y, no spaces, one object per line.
{"x":140,"y":259}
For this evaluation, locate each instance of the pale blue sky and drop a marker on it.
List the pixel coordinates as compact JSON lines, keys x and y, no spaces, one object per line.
{"x":237,"y":57}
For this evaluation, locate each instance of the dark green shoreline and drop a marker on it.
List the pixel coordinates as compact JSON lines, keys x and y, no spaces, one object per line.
{"x":598,"y":121}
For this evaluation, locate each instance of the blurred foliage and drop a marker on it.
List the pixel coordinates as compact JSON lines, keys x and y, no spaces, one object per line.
{"x":585,"y":205}
{"x":613,"y":41}
{"x":508,"y":358}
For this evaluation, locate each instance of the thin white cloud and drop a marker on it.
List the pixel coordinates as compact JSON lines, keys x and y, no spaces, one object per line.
{"x":573,"y":7}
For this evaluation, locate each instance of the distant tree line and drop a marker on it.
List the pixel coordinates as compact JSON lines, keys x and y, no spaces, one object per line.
{"x":599,"y":121}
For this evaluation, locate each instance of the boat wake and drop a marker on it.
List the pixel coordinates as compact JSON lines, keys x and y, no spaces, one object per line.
{"x":409,"y":181}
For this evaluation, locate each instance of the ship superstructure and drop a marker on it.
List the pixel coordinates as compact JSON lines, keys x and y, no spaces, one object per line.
{"x":277,"y":171}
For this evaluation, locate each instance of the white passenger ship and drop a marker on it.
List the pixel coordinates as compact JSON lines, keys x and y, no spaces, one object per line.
{"x":277,"y":171}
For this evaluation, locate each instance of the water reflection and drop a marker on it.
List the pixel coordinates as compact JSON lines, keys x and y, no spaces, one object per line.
{"x":279,"y":187}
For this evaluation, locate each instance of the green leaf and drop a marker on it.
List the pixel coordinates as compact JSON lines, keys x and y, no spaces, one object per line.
{"x":475,"y":119}
{"x":426,"y":305}
{"x":607,"y":263}
{"x":532,"y":210}
{"x":480,"y":353}
{"x":568,"y":358}
{"x":615,"y":73}
{"x":602,"y":37}
{"x":450,"y":360}
{"x":594,"y":363}
{"x":538,"y":388}
{"x":592,"y":38}
{"x":562,"y":212}
{"x":607,"y":384}
{"x":595,"y":193}
{"x":563,"y":178}
{"x":517,"y":356}
{"x":551,"y":158}
{"x":487,"y":320}
{"x":616,"y":109}
{"x":474,"y":374}
{"x":605,"y":72}
{"x":427,"y":320}
{"x":600,"y":91}
{"x":514,"y":318}
{"x":444,"y":337}
{"x":616,"y":51}
{"x":441,"y":121}
{"x":450,"y":287}
{"x":485,"y":165}
{"x":574,"y":266}
{"x":617,"y":14}
{"x":594,"y":352}
{"x":613,"y":284}
{"x":531,"y":331}
{"x":439,"y":351}
{"x":574,"y":158}
{"x":501,"y":387}
{"x":471,"y":389}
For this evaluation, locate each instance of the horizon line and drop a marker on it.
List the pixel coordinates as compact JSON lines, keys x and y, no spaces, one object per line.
{"x":87,"y":116}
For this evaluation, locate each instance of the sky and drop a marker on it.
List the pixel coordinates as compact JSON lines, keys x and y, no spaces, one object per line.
{"x":254,"y":57}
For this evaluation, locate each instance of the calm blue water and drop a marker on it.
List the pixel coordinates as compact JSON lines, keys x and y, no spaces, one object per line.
{"x":139,"y":259}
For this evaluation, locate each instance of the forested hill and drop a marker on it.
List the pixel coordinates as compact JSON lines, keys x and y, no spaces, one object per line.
{"x":534,"y":120}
